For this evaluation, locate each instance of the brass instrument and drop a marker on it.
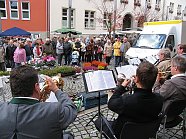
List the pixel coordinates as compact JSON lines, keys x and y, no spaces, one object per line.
{"x":44,"y":92}
{"x":164,"y":74}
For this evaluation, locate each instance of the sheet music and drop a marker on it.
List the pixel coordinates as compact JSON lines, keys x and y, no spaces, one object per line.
{"x":127,"y":70}
{"x":134,"y":61}
{"x":99,"y":80}
{"x":151,"y":59}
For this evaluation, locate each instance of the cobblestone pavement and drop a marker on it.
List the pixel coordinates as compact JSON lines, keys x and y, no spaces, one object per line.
{"x":78,"y":128}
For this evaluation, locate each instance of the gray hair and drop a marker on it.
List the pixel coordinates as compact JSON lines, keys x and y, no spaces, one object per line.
{"x":166,"y":52}
{"x":180,"y":63}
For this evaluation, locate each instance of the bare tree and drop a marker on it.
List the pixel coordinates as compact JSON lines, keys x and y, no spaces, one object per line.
{"x":146,"y":13}
{"x":106,"y":17}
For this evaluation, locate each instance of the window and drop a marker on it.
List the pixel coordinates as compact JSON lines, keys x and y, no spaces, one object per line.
{"x":25,"y":7}
{"x":3,"y":12}
{"x":184,"y":11}
{"x":89,"y":20}
{"x":171,"y":7}
{"x":14,"y":10}
{"x":65,"y":19}
{"x":170,"y":41}
{"x":179,"y":10}
{"x":107,"y":20}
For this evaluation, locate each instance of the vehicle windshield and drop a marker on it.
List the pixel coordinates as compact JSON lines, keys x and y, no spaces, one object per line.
{"x":151,"y":41}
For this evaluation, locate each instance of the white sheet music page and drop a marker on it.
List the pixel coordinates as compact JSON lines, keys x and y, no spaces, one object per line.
{"x":99,"y":80}
{"x":127,"y":70}
{"x":151,"y":59}
{"x":134,"y":61}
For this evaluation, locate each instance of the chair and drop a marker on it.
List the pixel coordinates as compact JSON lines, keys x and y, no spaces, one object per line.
{"x":174,"y":120}
{"x":107,"y":130}
{"x":133,"y":130}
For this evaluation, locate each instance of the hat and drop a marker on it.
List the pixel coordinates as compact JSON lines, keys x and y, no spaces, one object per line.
{"x":28,"y":40}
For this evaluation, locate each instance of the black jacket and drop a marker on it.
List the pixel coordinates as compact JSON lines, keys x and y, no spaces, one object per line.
{"x":142,"y":106}
{"x":10,"y":52}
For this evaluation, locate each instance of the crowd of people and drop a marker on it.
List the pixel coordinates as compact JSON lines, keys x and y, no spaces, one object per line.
{"x":16,"y":52}
{"x":150,"y":97}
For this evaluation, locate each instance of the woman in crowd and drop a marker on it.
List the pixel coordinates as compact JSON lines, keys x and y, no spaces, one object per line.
{"x":2,"y":57}
{"x":20,"y":55}
{"x":108,"y":51}
{"x":37,"y":51}
{"x":90,"y":51}
{"x":60,"y":51}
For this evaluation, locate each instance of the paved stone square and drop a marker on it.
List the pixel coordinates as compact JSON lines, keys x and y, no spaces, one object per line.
{"x":78,"y":128}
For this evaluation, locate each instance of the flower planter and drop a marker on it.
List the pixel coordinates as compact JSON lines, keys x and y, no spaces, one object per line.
{"x":68,"y":74}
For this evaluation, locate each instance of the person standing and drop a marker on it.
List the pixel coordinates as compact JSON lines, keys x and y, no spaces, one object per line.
{"x":28,"y":49}
{"x":37,"y":50}
{"x":10,"y":54}
{"x":108,"y":51}
{"x":67,"y":47}
{"x":20,"y":55}
{"x":27,"y":117}
{"x":124,"y":48}
{"x":117,"y":52}
{"x":90,"y":51}
{"x":48,"y":48}
{"x":2,"y":57}
{"x":77,"y":47}
{"x":60,"y":51}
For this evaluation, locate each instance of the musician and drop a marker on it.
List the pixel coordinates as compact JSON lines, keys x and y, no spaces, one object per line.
{"x":181,"y":50}
{"x":164,"y":60}
{"x":164,"y":64}
{"x":143,"y":105}
{"x":174,"y":88}
{"x":24,"y":117}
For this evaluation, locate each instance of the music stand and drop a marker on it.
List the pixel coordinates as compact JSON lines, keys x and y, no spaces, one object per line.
{"x":96,"y":81}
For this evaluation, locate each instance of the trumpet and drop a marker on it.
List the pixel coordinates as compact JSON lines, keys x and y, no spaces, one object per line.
{"x":164,"y":74}
{"x":44,"y":92}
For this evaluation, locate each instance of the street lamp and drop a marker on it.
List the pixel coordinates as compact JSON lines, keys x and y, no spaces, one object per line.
{"x":69,"y":15}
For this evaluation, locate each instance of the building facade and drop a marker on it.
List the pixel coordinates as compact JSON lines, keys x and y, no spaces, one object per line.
{"x":88,"y":16}
{"x":30,"y":15}
{"x":91,"y":17}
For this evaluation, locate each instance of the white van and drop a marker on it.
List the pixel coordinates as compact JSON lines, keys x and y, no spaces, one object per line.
{"x":158,"y":35}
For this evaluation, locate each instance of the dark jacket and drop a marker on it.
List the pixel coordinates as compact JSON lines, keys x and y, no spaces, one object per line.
{"x":10,"y":52}
{"x":142,"y":106}
{"x":28,"y":50}
{"x":67,"y":47}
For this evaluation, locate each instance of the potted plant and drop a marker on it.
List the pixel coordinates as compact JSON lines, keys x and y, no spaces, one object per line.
{"x":4,"y":73}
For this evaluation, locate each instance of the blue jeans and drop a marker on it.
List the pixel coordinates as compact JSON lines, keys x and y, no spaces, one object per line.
{"x":117,"y":61}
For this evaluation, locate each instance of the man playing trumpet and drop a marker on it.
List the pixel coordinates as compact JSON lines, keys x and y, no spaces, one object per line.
{"x":142,"y":105}
{"x":173,"y":89}
{"x":26,"y":117}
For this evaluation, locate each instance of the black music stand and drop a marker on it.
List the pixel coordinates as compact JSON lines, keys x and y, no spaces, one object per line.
{"x":97,"y":81}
